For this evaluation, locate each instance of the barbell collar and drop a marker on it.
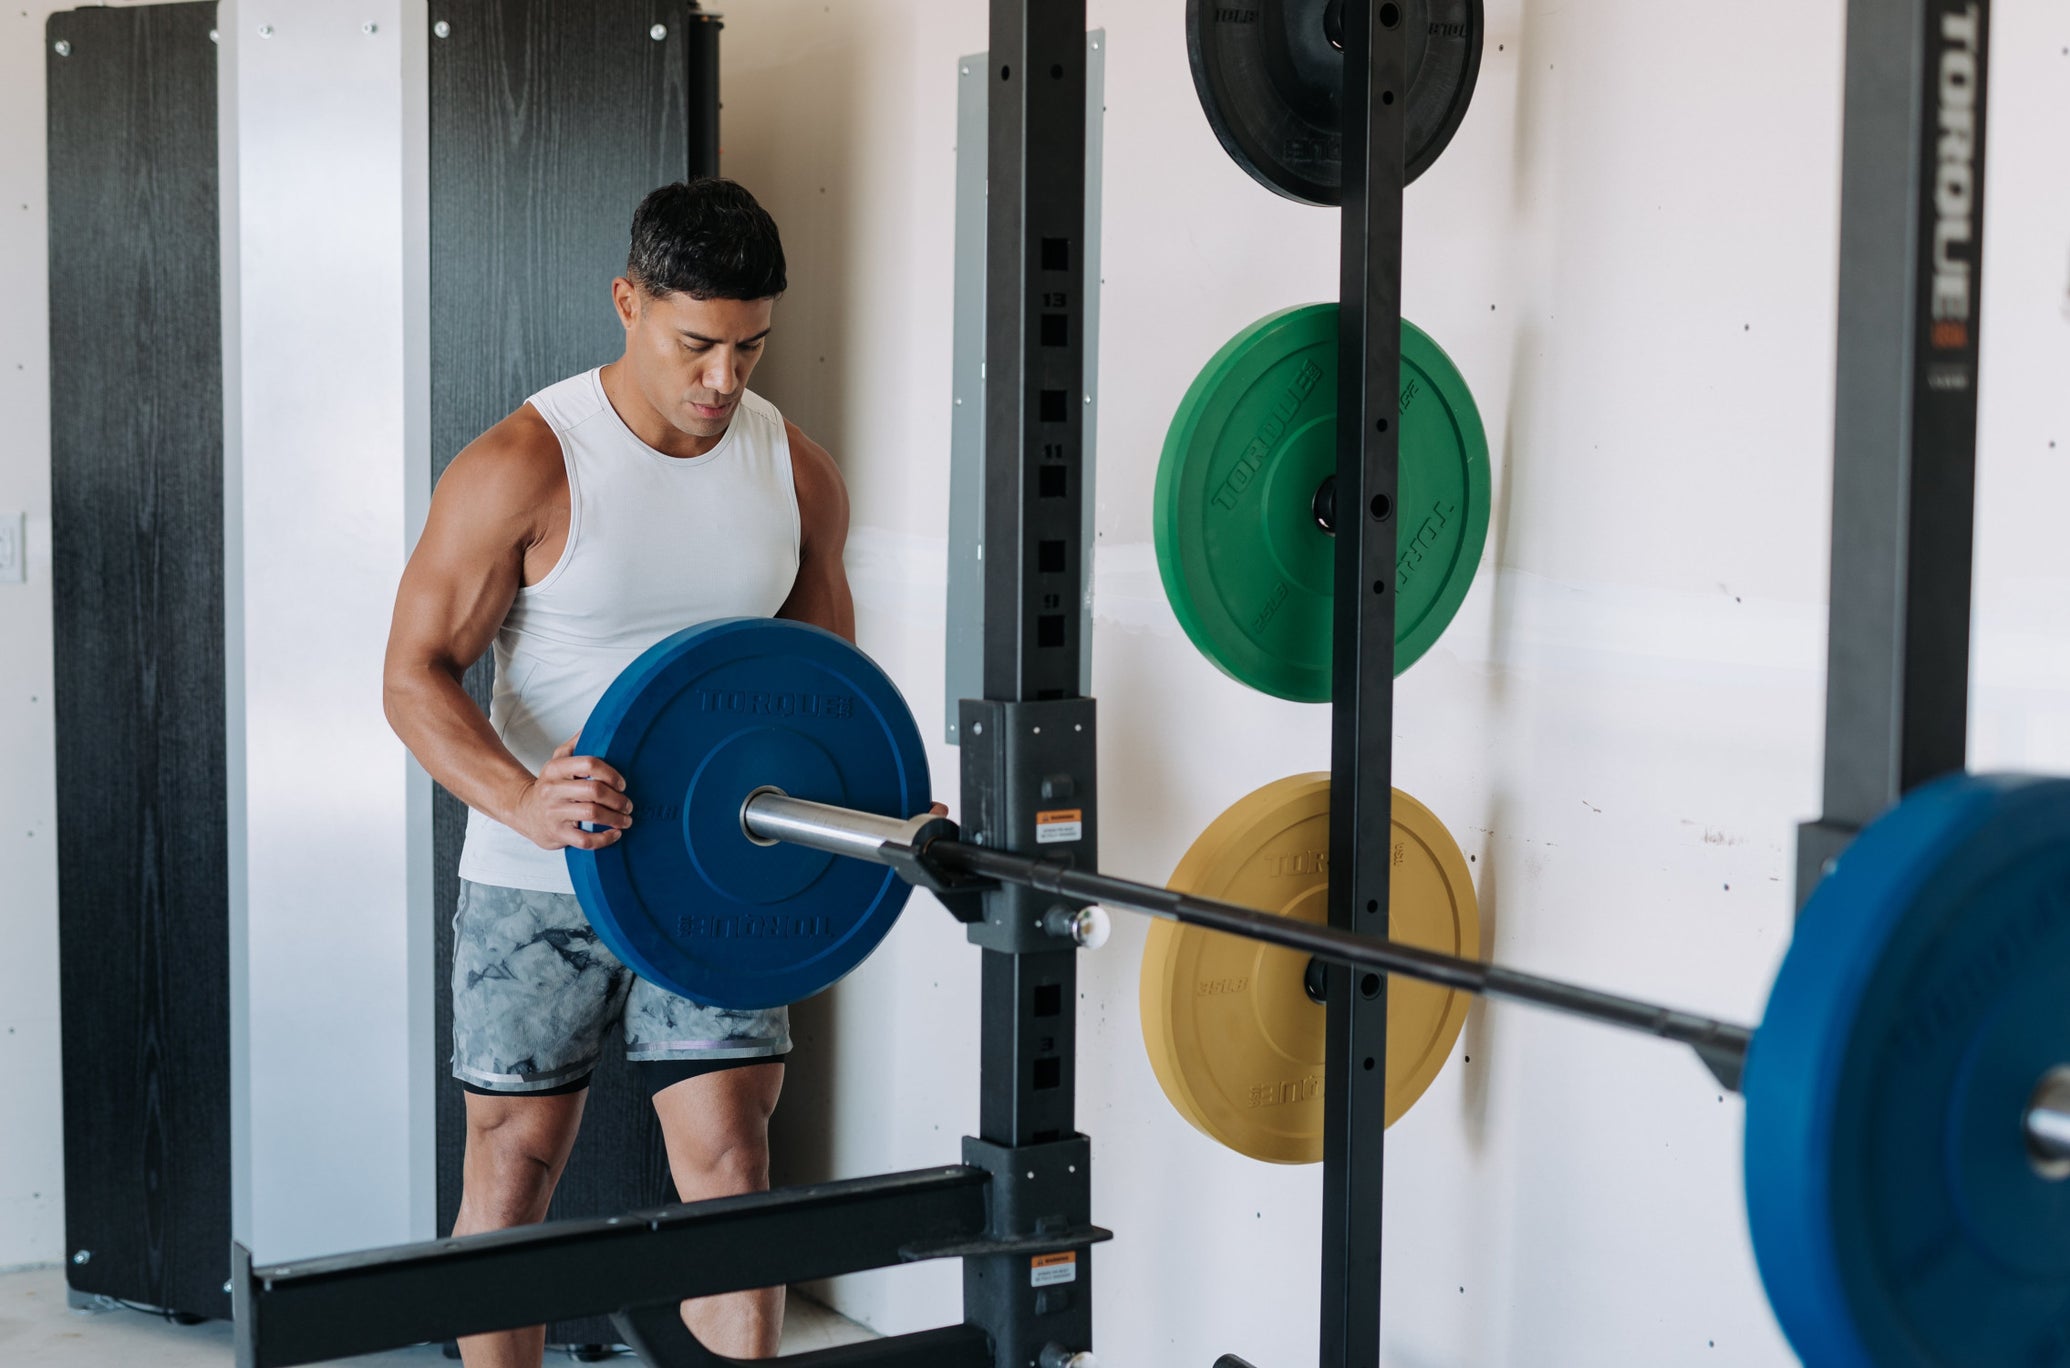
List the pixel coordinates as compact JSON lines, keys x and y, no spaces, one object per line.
{"x":929,"y":845}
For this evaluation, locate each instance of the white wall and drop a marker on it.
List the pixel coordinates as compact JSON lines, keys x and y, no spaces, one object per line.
{"x":1630,"y":251}
{"x":31,"y":1151}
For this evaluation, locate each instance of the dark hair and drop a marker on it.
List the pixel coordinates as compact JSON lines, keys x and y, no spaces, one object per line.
{"x":708,"y":239}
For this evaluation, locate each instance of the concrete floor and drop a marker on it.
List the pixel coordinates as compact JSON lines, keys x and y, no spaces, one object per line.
{"x":37,"y":1330}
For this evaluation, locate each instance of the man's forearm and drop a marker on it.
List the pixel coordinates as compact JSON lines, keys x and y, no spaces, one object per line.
{"x":445,"y":729}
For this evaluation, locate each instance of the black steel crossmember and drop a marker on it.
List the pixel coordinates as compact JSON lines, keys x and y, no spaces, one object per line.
{"x":336,"y":1307}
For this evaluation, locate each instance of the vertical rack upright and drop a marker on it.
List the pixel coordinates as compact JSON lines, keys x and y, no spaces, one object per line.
{"x":1362,"y":672}
{"x":1904,"y":411}
{"x":1029,"y":745}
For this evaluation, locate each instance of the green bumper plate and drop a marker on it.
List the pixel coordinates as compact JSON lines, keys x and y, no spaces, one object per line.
{"x":1247,"y":566}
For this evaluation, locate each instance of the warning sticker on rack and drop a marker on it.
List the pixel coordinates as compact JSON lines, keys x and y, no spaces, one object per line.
{"x":1047,"y":1270}
{"x":1059,"y":825}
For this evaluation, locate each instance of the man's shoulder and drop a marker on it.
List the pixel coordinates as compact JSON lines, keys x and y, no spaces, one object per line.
{"x":808,"y":458}
{"x":822,"y":494}
{"x":517,"y":461}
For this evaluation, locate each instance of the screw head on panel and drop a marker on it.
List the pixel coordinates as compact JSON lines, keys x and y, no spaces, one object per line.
{"x":226,"y":1286}
{"x":658,"y":32}
{"x":82,"y":1256}
{"x":370,"y":28}
{"x":61,"y":48}
{"x":214,"y":37}
{"x":265,"y":30}
{"x":441,"y":29}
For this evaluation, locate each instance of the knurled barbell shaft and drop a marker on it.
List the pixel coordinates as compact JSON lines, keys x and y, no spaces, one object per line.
{"x":769,"y":815}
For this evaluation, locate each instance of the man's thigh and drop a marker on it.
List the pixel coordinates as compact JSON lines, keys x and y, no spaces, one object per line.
{"x":534,"y":990}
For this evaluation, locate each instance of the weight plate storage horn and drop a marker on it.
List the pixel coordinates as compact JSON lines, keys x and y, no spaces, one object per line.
{"x":1233,"y":1035}
{"x":1271,"y":80}
{"x":1241,"y":547}
{"x":695,"y":725}
{"x":1899,"y":1220}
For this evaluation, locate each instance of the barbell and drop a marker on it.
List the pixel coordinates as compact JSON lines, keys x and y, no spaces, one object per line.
{"x":1907,"y":1150}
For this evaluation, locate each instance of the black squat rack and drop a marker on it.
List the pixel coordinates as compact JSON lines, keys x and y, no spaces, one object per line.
{"x":1017,"y":1210}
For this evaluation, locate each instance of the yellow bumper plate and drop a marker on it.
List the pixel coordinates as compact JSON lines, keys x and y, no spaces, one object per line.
{"x":1234,"y":1037}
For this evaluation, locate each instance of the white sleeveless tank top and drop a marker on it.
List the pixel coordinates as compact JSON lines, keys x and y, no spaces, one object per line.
{"x":655,"y":544}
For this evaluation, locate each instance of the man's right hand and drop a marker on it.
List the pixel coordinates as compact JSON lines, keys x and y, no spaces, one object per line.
{"x":570,"y":790}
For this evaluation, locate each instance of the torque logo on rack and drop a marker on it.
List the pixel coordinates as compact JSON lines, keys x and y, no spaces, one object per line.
{"x":1955,"y":180}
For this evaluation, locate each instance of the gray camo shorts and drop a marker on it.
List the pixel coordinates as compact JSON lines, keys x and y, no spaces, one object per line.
{"x":534,"y":990}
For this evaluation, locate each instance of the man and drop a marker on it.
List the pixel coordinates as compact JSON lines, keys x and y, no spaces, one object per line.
{"x":611,"y":510}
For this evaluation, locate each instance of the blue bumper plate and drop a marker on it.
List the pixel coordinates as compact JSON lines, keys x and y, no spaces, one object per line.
{"x":1897,"y":1218}
{"x":697,"y":724}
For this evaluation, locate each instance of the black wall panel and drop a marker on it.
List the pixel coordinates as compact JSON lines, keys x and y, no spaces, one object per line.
{"x":549,"y":122}
{"x":137,"y":513}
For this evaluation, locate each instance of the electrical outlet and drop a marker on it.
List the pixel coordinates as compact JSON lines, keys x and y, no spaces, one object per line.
{"x":14,"y":553}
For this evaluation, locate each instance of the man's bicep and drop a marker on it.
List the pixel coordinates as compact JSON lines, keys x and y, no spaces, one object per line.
{"x":461,"y":579}
{"x":821,"y":595}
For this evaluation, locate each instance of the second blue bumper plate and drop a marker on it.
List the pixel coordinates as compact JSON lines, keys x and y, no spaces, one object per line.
{"x":1897,"y":1217}
{"x":695,"y":725}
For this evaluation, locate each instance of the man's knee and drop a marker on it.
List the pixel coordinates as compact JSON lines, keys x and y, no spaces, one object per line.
{"x":513,"y":1162}
{"x":507,"y":1179}
{"x":739,"y":1161}
{"x":721,"y":1156}
{"x":717,"y":1129}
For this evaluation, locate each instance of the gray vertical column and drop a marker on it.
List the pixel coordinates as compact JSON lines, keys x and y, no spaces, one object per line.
{"x":1905,"y":410}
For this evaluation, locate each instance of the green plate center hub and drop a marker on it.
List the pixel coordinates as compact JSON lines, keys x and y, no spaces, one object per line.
{"x":1247,"y":567}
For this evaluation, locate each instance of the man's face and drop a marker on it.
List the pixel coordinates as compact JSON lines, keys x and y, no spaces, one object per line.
{"x":692,"y":357}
